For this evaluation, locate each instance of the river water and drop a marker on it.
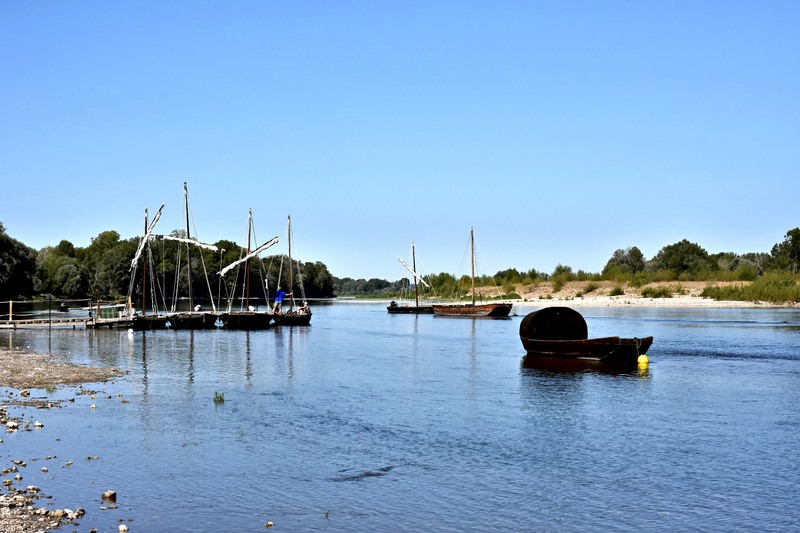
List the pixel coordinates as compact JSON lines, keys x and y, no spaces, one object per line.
{"x":366,"y":421}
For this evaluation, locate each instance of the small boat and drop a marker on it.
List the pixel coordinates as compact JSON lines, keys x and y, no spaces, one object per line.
{"x":473,"y":310}
{"x":403,"y":309}
{"x":292,"y":316}
{"x":561,"y":332}
{"x":63,"y":308}
{"x":247,"y":317}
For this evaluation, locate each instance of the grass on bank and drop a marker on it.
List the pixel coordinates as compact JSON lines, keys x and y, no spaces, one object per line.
{"x":771,"y":287}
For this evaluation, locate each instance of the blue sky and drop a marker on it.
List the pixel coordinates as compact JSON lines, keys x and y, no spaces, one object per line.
{"x":560,"y":131}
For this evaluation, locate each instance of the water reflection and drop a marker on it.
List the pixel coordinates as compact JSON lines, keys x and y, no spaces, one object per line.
{"x":560,"y":365}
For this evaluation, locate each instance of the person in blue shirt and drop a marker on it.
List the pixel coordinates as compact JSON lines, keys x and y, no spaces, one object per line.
{"x":280,"y":294}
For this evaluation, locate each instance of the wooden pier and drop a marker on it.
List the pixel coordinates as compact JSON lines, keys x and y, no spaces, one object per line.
{"x":44,"y":323}
{"x":78,"y":314}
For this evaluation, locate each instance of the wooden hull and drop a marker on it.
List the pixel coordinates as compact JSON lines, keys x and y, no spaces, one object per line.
{"x":606,"y":349}
{"x":492,"y":310}
{"x":562,"y":364}
{"x":410,"y":309}
{"x":148,"y":322}
{"x":292,"y":318}
{"x":193,"y":320}
{"x":248,"y":320}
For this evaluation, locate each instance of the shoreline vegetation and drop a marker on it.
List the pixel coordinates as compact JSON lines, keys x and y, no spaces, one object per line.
{"x":743,"y":294}
{"x":684,"y":268}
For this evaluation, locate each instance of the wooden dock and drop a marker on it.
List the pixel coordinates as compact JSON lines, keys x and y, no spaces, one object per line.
{"x":44,"y":323}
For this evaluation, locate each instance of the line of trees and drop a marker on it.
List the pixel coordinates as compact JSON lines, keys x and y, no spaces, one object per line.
{"x":681,"y":261}
{"x":102,"y":269}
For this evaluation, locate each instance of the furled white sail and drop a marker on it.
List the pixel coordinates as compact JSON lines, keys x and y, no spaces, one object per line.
{"x":416,"y":276}
{"x":250,"y":255}
{"x":187,"y":241}
{"x":146,"y":237}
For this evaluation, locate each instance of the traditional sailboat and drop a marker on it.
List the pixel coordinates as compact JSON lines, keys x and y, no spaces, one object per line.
{"x":293,"y":315}
{"x":141,"y":321}
{"x":416,"y":309}
{"x":247,"y":317}
{"x":473,"y":310}
{"x":195,"y":317}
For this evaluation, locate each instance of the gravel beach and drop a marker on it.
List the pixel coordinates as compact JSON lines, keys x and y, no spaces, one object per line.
{"x":22,"y":371}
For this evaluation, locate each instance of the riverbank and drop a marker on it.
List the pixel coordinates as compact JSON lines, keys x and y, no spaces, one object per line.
{"x":23,"y":371}
{"x":607,"y":294}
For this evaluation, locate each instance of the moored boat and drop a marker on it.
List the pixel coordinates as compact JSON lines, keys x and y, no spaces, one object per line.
{"x":141,"y":320}
{"x":196,"y":317}
{"x":473,"y":310}
{"x":247,"y":317}
{"x":407,"y":309}
{"x":293,"y":315}
{"x":561,"y":332}
{"x":488,"y":310}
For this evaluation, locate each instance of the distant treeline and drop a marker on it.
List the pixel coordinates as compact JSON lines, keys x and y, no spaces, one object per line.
{"x":774,"y":273}
{"x":102,"y":270}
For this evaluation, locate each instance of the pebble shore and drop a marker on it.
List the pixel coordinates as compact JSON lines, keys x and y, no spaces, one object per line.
{"x":21,"y":504}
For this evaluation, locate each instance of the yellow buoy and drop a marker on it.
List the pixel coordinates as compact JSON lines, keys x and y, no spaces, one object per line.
{"x":643,"y":360}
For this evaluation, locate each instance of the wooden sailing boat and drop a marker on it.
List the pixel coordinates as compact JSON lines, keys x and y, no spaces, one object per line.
{"x":194,"y":318}
{"x":293,"y":316}
{"x":415,"y":309}
{"x":473,"y":310}
{"x":142,"y":321}
{"x":247,"y":317}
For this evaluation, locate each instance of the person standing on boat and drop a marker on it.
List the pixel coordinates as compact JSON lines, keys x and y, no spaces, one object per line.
{"x":280,"y":294}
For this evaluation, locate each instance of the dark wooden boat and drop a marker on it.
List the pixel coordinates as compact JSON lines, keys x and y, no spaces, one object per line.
{"x":397,"y":309}
{"x":561,"y":332}
{"x":404,"y":309}
{"x":490,"y":310}
{"x":473,"y":310}
{"x":245,"y":320}
{"x":247,"y":317}
{"x":193,"y":320}
{"x":196,"y":319}
{"x":293,"y":316}
{"x":148,"y":322}
{"x":141,"y":320}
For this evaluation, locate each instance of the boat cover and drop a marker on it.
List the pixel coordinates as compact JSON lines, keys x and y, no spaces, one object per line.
{"x":554,"y":323}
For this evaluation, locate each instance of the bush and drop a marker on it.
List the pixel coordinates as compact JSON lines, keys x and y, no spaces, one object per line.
{"x":657,"y":292}
{"x":617,"y":291}
{"x":558,"y":283}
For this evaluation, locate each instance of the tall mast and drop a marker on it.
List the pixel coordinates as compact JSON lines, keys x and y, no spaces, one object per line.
{"x":472,"y":249}
{"x":188,"y":236}
{"x":247,"y":275}
{"x":291,"y":277}
{"x":414,"y":264}
{"x":144,"y":270}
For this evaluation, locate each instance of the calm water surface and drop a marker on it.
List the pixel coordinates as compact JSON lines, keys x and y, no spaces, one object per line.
{"x":371,"y":422}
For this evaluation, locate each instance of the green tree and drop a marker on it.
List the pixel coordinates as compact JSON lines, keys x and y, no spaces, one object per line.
{"x":685,"y":259}
{"x":18,"y":269}
{"x":786,"y":255}
{"x":62,"y":274}
{"x":629,"y":261}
